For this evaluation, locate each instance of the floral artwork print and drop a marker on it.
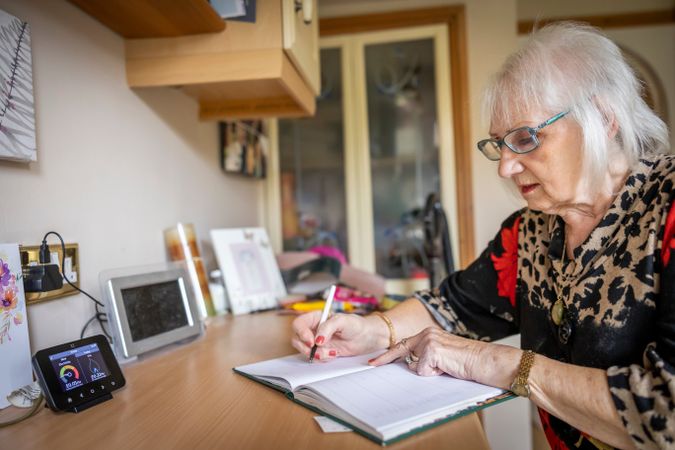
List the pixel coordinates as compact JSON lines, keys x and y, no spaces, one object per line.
{"x":9,"y":300}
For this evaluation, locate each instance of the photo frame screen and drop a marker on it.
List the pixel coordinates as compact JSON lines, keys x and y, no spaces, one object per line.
{"x":154,"y":309}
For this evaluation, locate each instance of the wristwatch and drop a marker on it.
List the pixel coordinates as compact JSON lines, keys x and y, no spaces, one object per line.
{"x":519,"y":385}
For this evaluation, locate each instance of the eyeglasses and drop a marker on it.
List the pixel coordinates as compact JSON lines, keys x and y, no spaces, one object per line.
{"x":521,"y":140}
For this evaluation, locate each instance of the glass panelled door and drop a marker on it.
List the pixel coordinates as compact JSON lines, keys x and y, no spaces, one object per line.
{"x":355,"y":177}
{"x":401,"y":96}
{"x":311,"y":160}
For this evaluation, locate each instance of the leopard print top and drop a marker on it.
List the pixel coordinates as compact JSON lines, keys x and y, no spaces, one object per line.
{"x":619,"y":291}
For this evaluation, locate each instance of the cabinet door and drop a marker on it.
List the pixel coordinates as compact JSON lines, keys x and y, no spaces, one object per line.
{"x":301,"y":39}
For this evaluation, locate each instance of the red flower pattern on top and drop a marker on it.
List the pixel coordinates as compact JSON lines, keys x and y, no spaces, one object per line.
{"x":506,"y":264}
{"x":552,"y":438}
{"x":669,"y":237}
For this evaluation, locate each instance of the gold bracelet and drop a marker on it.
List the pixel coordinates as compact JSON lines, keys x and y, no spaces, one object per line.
{"x":392,"y":333}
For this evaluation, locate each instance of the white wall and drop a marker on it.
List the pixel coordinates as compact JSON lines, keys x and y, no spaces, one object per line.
{"x":115,"y":166}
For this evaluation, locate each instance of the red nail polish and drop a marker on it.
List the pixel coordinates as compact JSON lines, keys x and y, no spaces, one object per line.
{"x":319,"y":340}
{"x":371,"y":360}
{"x":332,"y":353}
{"x":317,"y":356}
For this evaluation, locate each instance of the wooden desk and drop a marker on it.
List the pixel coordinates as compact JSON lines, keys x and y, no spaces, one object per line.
{"x":189,"y":397}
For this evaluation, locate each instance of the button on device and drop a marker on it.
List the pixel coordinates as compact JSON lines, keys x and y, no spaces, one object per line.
{"x":81,"y":394}
{"x":102,"y":388}
{"x":70,"y":400}
{"x":112,"y":383}
{"x":92,"y":390}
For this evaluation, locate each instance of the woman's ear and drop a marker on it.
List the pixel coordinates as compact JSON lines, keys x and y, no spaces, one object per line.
{"x":612,"y":127}
{"x":608,"y":118}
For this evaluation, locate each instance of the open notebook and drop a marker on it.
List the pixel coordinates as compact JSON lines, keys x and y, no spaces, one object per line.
{"x":385,"y":403}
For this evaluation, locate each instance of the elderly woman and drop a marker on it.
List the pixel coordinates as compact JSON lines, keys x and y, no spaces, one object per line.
{"x":585,"y":273}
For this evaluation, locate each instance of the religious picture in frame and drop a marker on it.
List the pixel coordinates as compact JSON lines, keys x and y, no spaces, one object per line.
{"x":244,"y":147}
{"x":17,"y":110}
{"x":250,"y":272}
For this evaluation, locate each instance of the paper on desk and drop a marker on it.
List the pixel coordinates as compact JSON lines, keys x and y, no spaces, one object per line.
{"x":330,"y":426}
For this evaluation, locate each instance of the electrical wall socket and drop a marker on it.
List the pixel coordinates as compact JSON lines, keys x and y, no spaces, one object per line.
{"x":30,"y":255}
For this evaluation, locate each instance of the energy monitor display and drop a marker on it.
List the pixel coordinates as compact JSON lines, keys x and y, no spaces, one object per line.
{"x":151,"y":309}
{"x":77,"y":375}
{"x":79,"y":366}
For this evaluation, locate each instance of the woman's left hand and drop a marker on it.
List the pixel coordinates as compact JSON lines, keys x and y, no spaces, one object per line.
{"x":434,"y":351}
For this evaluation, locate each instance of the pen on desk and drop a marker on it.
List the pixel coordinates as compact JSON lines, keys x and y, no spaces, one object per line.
{"x":324,"y":316}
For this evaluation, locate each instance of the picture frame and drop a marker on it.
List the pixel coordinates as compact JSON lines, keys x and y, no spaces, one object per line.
{"x":250,"y":272}
{"x":244,"y":147}
{"x":653,"y":90}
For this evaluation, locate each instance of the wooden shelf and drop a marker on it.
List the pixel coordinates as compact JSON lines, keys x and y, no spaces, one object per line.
{"x":154,"y":18}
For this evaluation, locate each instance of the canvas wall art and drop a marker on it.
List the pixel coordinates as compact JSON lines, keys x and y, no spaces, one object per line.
{"x":17,"y":111}
{"x":15,"y":367}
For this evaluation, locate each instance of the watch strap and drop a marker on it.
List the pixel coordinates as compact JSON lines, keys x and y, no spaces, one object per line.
{"x":520,"y":386}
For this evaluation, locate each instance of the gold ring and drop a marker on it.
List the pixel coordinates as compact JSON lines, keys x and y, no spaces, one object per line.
{"x":404,"y":343}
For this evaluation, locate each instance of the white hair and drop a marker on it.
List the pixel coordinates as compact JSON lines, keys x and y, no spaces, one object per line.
{"x":572,"y":66}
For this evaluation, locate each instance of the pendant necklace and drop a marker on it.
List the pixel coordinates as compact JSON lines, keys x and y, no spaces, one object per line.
{"x":561,"y":315}
{"x":559,"y":307}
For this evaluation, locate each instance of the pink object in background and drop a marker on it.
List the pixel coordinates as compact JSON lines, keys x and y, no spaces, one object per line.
{"x":345,"y":294}
{"x":332,"y":252}
{"x":363,"y":281}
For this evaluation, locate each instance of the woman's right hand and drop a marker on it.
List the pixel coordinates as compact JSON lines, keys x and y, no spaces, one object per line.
{"x":340,"y":335}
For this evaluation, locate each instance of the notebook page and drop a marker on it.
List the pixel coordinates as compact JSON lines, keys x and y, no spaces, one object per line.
{"x":296,"y":371}
{"x":392,"y":395}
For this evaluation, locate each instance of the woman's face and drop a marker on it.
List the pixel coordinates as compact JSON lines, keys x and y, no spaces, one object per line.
{"x":549,"y":176}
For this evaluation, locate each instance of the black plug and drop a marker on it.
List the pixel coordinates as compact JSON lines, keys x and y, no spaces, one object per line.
{"x":45,"y":257}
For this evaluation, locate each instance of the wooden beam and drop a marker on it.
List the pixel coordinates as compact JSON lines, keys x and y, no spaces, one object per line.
{"x":455,"y":19}
{"x":622,"y":20}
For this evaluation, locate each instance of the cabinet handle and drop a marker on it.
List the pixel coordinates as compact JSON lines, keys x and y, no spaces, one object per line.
{"x":306,"y":6}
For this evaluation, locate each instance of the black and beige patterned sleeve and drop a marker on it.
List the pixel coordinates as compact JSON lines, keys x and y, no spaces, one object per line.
{"x":644,"y":396}
{"x":479,"y":302}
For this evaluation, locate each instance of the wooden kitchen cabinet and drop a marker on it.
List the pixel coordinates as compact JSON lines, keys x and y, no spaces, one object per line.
{"x":269,"y":68}
{"x":301,"y":39}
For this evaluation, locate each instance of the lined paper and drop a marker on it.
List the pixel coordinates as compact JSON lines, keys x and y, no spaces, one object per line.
{"x":296,"y":371}
{"x":393,"y":395}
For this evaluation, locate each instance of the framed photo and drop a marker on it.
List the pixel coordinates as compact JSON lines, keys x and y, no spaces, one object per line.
{"x":250,"y":271}
{"x":244,"y":146}
{"x":17,"y":110}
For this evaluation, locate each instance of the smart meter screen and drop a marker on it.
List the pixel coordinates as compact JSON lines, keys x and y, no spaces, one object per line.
{"x":79,"y":366}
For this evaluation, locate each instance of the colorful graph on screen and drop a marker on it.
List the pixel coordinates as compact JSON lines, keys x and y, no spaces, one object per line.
{"x":67,"y":372}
